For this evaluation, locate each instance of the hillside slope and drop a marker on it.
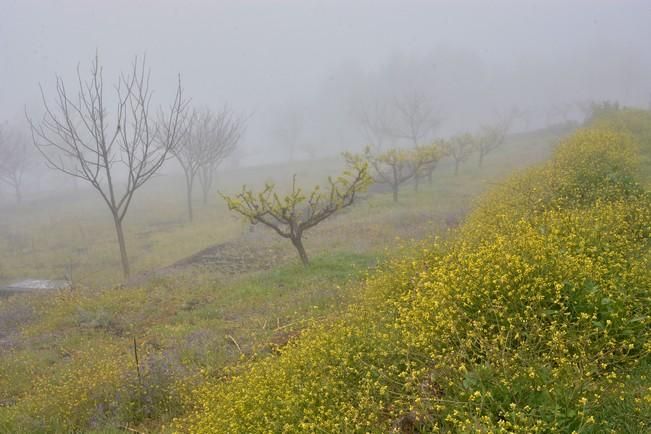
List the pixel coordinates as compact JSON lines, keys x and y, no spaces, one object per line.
{"x":535,"y":317}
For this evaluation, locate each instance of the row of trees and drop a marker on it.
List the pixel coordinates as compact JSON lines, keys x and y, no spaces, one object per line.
{"x":397,"y":166}
{"x":462,"y":146}
{"x":411,"y":120}
{"x":117,"y":143}
{"x":291,"y":214}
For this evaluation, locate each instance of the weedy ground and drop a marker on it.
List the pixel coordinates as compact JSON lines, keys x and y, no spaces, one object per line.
{"x":204,"y":296}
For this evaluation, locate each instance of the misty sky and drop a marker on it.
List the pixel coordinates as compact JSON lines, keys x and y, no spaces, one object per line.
{"x":263,"y":56}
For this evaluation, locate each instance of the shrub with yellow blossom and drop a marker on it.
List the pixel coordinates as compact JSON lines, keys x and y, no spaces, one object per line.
{"x":535,"y":317}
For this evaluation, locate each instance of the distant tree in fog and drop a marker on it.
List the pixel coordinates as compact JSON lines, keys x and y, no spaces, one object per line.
{"x":115,"y":153}
{"x":415,"y":118}
{"x":593,"y":109}
{"x":222,"y":131}
{"x":289,"y":131}
{"x":493,"y":136}
{"x":416,"y":121}
{"x":460,"y":148}
{"x":374,"y":121}
{"x":15,"y":159}
{"x":292,"y":214}
{"x":207,"y":138}
{"x":409,"y":118}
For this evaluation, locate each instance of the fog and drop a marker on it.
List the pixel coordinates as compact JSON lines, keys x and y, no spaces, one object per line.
{"x":325,"y":215}
{"x":316,"y":64}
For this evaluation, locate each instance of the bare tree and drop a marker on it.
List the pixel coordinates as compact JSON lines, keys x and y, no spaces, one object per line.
{"x":415,"y":122}
{"x":375,"y":125}
{"x":492,"y":137}
{"x":293,"y":214}
{"x":416,"y":118}
{"x":289,"y":131}
{"x":201,"y":148}
{"x":460,"y":148}
{"x":14,"y":159}
{"x":410,"y":118}
{"x":78,"y":137}
{"x":223,"y":130}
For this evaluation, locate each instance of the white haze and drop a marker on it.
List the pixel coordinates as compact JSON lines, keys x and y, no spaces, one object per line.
{"x":322,"y":60}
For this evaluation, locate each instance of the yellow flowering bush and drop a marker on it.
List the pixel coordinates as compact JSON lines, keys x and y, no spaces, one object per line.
{"x":591,"y":164}
{"x":631,"y":121}
{"x":535,"y":317}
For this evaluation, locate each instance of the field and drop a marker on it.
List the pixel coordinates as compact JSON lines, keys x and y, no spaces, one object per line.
{"x":484,"y":302}
{"x":207,"y":300}
{"x":325,"y":217}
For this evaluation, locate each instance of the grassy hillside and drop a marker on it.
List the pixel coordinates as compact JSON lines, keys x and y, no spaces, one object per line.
{"x":535,"y":317}
{"x":67,"y":359}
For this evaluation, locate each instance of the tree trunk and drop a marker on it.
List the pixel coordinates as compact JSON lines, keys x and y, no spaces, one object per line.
{"x":204,"y":195}
{"x":123,"y":247}
{"x":19,"y":194}
{"x":205,"y":179}
{"x":416,"y":182}
{"x":189,"y":196}
{"x":298,"y":243}
{"x":429,"y":176}
{"x":481,"y":158}
{"x":189,"y":182}
{"x":456,"y":167}
{"x":395,"y":192}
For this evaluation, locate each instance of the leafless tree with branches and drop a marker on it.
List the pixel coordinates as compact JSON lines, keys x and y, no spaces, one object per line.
{"x":375,"y":124}
{"x":221,"y":131}
{"x":289,"y":131}
{"x":460,"y":148}
{"x":416,"y":122}
{"x":416,"y":118}
{"x":491,"y":137}
{"x":14,"y":159}
{"x":202,"y":147}
{"x":409,"y":118}
{"x":115,"y":154}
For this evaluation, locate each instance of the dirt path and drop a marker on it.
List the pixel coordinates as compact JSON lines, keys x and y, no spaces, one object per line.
{"x":250,"y":252}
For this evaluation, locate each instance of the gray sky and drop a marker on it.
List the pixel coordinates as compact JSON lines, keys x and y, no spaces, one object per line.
{"x":270,"y":56}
